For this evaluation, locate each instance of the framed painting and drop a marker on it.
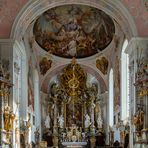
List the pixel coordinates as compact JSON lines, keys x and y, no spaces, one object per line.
{"x":74,"y":115}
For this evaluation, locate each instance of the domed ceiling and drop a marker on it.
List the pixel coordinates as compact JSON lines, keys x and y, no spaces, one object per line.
{"x":74,"y":31}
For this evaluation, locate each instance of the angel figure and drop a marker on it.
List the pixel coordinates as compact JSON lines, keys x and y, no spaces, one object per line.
{"x":47,"y":122}
{"x":87,"y":121}
{"x":99,"y":121}
{"x":61,"y":121}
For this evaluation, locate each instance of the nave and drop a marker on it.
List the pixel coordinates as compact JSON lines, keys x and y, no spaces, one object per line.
{"x":74,"y":74}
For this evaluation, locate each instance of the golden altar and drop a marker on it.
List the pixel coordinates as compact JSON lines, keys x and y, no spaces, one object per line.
{"x":74,"y":108}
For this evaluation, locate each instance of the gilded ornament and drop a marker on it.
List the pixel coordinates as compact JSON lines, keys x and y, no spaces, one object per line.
{"x":8,"y":118}
{"x":45,"y":65}
{"x":73,"y":79}
{"x":138,"y":120}
{"x":102,"y":65}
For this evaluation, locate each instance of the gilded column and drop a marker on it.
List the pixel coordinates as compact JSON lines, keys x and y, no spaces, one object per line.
{"x":1,"y":110}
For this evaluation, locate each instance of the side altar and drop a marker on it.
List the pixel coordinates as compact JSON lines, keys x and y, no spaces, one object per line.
{"x":74,"y":112}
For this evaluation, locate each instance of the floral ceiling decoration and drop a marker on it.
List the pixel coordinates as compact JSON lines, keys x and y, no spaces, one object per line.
{"x":74,"y":31}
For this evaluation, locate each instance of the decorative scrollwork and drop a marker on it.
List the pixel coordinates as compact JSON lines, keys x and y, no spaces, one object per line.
{"x":73,"y":79}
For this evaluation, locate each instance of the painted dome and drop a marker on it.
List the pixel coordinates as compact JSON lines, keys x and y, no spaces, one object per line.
{"x":74,"y":31}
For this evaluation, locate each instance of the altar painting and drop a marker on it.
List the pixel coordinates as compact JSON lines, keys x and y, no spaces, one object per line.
{"x":74,"y":115}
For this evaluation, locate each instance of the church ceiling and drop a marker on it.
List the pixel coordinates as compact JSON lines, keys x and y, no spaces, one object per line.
{"x":10,"y":9}
{"x":74,"y":31}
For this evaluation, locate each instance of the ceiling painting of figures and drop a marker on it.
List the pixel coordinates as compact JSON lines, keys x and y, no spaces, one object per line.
{"x":74,"y":31}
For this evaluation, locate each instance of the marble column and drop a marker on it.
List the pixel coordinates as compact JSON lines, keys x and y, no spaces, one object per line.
{"x":55,"y":116}
{"x":146,"y":112}
{"x":92,"y":116}
{"x":84,"y":113}
{"x":55,"y":128}
{"x":92,"y":112}
{"x":62,"y":109}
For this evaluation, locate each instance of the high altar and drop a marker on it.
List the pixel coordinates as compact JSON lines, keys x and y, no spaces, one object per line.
{"x":74,"y":108}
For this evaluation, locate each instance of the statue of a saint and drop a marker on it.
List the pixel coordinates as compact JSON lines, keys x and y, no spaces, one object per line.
{"x":6,"y":118}
{"x":138,"y":120}
{"x":47,"y":122}
{"x":27,"y":131}
{"x":87,"y":121}
{"x":37,"y":135}
{"x":61,"y":121}
{"x":99,"y":121}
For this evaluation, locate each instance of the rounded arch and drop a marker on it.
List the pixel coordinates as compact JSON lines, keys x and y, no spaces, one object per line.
{"x":33,"y":9}
{"x":58,"y":69}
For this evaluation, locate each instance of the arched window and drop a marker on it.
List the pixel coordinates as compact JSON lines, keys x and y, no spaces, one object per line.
{"x":111,"y":98}
{"x":124,"y":83}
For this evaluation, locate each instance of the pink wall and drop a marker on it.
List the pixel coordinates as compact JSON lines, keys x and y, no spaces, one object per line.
{"x":8,"y":11}
{"x":139,"y":10}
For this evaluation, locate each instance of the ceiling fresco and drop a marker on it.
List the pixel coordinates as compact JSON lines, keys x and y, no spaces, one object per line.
{"x":74,"y":31}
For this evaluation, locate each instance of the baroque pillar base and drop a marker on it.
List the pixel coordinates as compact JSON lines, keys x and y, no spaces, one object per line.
{"x":55,"y":131}
{"x":93,"y":142}
{"x":55,"y":141}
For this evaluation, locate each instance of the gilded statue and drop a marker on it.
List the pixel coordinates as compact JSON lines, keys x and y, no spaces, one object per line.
{"x":138,"y":120}
{"x":8,"y":118}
